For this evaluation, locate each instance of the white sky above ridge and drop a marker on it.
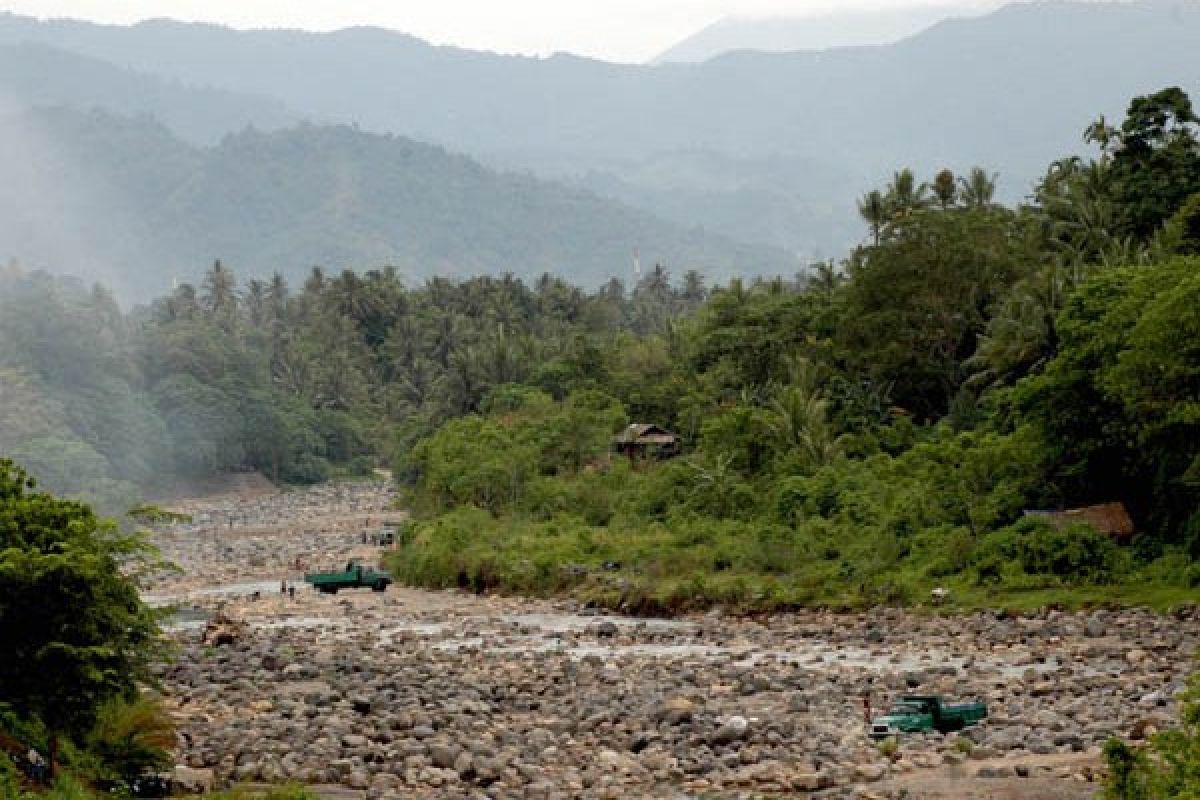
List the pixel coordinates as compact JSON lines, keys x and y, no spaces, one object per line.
{"x":615,"y":30}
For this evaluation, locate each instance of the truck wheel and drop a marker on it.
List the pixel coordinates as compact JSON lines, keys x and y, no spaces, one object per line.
{"x":379,"y":586}
{"x":333,"y":589}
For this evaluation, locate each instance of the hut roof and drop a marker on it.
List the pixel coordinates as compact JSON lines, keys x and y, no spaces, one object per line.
{"x":643,"y":433}
{"x":1110,"y":518}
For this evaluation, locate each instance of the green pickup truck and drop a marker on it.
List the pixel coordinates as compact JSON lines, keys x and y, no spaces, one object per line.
{"x":354,"y":576}
{"x":919,"y":713}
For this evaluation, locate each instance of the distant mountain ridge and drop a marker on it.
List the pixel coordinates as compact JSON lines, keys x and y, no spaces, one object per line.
{"x":43,"y":75}
{"x":125,"y":200}
{"x":822,"y":31}
{"x":1010,"y":90}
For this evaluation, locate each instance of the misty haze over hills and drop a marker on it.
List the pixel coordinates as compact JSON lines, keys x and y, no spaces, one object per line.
{"x":125,"y":200}
{"x":841,"y":28}
{"x":33,"y":75}
{"x":770,"y":149}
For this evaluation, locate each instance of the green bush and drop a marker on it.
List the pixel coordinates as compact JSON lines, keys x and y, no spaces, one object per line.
{"x":1076,"y":554}
{"x":1168,"y":768}
{"x":10,"y":784}
{"x":68,"y":788}
{"x":305,"y":469}
{"x":131,"y":738}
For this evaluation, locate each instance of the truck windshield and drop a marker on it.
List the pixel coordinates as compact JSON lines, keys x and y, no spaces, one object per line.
{"x":906,"y":708}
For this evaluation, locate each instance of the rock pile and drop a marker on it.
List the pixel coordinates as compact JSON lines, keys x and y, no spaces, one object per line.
{"x":423,"y":694}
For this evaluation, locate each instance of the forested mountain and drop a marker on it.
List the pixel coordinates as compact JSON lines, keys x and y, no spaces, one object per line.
{"x":133,"y":205}
{"x":1007,"y":89}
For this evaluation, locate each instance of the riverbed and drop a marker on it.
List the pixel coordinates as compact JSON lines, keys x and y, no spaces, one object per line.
{"x":414,"y":693}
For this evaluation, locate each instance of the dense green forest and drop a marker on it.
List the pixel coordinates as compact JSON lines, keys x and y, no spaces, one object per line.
{"x":878,"y":430}
{"x":853,"y":435}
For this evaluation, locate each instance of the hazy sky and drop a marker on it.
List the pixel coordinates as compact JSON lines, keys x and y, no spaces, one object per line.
{"x":620,"y":30}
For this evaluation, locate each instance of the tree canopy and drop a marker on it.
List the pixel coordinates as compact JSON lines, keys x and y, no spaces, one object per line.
{"x":852,"y":433}
{"x":76,"y":633}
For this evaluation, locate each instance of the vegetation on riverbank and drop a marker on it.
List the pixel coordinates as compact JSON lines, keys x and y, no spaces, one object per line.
{"x":1168,"y":768}
{"x":67,"y":788}
{"x":867,"y":434}
{"x":79,"y":645}
{"x":852,"y":436}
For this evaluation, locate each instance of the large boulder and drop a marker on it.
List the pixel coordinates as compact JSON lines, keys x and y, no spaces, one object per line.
{"x":188,"y":780}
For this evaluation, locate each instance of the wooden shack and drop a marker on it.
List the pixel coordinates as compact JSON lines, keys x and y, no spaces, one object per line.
{"x":1108,"y":518}
{"x":646,"y":441}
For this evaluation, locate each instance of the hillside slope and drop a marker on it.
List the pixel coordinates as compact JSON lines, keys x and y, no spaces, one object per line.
{"x":125,"y":200}
{"x":1011,"y":90}
{"x":40,"y":75}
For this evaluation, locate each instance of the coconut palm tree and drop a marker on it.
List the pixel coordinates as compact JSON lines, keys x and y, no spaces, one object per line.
{"x":905,"y":196}
{"x":978,"y":188}
{"x":220,"y":291}
{"x":799,"y":424}
{"x":824,"y":278}
{"x":254,"y":303}
{"x":277,"y":296}
{"x":1105,"y":136}
{"x":1021,"y":334}
{"x":694,"y":291}
{"x":315,"y":282}
{"x":873,"y":208}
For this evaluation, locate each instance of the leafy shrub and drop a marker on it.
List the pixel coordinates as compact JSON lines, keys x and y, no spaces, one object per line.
{"x":1168,"y":768}
{"x":305,"y":469}
{"x":131,"y":738}
{"x":67,"y":788}
{"x":1076,"y":554}
{"x":889,"y":748}
{"x":10,"y":786}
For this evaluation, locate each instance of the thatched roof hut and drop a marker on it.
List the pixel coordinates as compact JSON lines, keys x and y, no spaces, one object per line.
{"x":646,"y":439}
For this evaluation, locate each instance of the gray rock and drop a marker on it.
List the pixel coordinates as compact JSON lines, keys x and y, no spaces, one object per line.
{"x":443,"y":755}
{"x":605,"y":629}
{"x":464,"y":765}
{"x":733,"y":729}
{"x":869,"y":772}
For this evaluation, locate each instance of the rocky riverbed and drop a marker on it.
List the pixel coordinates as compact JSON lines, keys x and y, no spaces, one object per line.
{"x":443,"y":694}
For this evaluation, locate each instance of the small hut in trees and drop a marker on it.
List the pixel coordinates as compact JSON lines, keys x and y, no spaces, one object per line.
{"x":1111,"y":519}
{"x":641,"y":440}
